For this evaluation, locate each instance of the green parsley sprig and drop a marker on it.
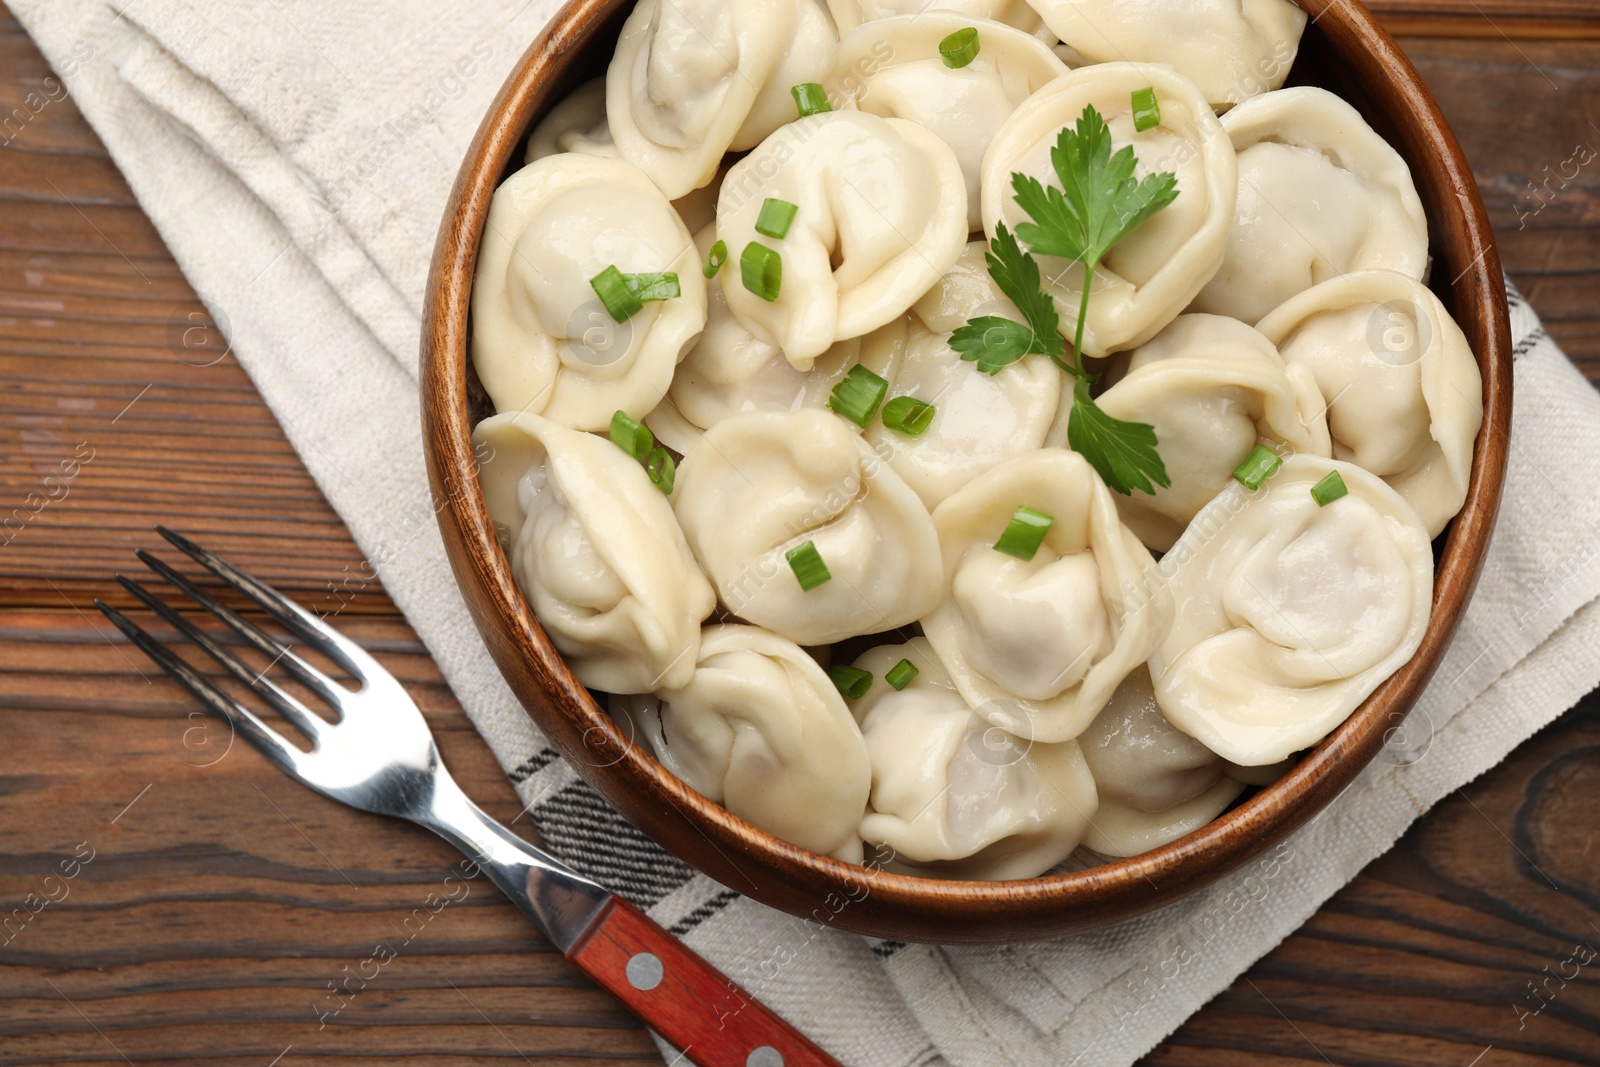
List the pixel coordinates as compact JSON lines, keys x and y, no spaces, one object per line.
{"x":1097,"y":204}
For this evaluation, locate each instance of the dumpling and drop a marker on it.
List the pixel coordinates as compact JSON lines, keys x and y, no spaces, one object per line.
{"x":955,"y":797}
{"x":760,"y":729}
{"x":964,"y":106}
{"x":1147,"y":279}
{"x":1213,"y":388}
{"x":1038,"y":646}
{"x":1156,"y":783}
{"x":597,"y":551}
{"x":849,"y":14}
{"x":1320,"y":195}
{"x":577,"y":124}
{"x":729,"y":372}
{"x":882,"y":213}
{"x":1231,"y":49}
{"x":762,"y":484}
{"x":980,"y":420}
{"x":1290,"y":614}
{"x":542,"y":341}
{"x":1412,"y":395}
{"x":692,"y":79}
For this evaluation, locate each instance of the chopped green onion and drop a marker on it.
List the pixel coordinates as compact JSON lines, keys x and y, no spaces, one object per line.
{"x":1261,"y":464}
{"x":714,"y":262}
{"x":960,"y":48}
{"x":900,"y":674}
{"x":858,"y":395}
{"x":908,"y":415}
{"x":1025,"y":533}
{"x":852,"y":682}
{"x":631,"y":435}
{"x":762,"y":270}
{"x":652,"y":287}
{"x":621,"y":302}
{"x":806,"y":562}
{"x":661,"y":469}
{"x":1328,"y":490}
{"x":810,"y":99}
{"x":1146,"y":112}
{"x":776,"y":217}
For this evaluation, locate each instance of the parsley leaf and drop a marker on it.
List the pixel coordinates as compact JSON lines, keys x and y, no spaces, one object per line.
{"x":1124,"y":453}
{"x":994,"y":342}
{"x":1099,"y":202}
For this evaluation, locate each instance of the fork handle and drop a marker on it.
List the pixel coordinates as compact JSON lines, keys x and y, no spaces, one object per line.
{"x":683,"y":998}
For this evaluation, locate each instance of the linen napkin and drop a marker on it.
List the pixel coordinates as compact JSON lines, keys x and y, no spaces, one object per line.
{"x":296,"y":155}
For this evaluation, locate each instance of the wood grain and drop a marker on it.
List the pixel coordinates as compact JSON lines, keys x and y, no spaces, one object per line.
{"x":208,"y":926}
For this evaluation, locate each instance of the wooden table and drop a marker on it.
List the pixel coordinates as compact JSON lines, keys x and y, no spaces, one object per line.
{"x":215,"y":903}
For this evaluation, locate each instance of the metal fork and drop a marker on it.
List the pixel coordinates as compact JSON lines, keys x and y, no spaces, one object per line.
{"x":381,"y":757}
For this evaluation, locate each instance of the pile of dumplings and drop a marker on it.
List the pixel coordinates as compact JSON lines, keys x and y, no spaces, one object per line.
{"x":1157,"y":654}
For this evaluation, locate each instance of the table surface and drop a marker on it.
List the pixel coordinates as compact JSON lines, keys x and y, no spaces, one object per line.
{"x":214,"y":904}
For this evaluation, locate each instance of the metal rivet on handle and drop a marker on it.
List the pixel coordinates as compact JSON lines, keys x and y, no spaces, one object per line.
{"x":644,"y":973}
{"x":765,"y":1056}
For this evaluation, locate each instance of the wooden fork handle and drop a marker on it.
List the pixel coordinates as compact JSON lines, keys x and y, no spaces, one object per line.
{"x":683,"y":998}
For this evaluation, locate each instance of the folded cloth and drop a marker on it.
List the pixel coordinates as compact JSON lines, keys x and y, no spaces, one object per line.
{"x":296,"y":157}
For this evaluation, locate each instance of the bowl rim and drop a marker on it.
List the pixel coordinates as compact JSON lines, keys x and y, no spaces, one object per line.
{"x":900,"y":906}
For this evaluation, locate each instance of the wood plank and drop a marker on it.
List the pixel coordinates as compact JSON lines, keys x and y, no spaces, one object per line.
{"x":1498,"y":19}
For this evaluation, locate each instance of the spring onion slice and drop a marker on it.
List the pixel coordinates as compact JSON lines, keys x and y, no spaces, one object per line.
{"x":762,"y":270}
{"x":714,"y":261}
{"x":776,"y":217}
{"x":1328,"y":490}
{"x":621,"y":302}
{"x":1261,"y":464}
{"x":960,"y":48}
{"x":908,"y":415}
{"x":858,"y":395}
{"x":852,"y":682}
{"x":900,"y":674}
{"x":648,"y":288}
{"x":1025,"y":533}
{"x":631,"y":435}
{"x":659,"y":465}
{"x":806,"y":562}
{"x":1146,"y":112}
{"x":810,"y":99}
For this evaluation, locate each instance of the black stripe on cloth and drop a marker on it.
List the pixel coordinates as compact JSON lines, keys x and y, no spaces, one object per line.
{"x":703,"y":912}
{"x":1513,"y":297}
{"x":585,"y":832}
{"x":533,"y":765}
{"x":1527,"y":344}
{"x":884,"y":949}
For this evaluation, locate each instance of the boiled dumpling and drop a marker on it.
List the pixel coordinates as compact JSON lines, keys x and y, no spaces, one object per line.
{"x":729,"y":372}
{"x":1147,"y":278}
{"x":1404,"y":395}
{"x":1156,"y":783}
{"x":980,"y":420}
{"x":762,"y":484}
{"x":1231,"y":49}
{"x":596,"y":550}
{"x":1038,"y":646}
{"x":1290,"y":614}
{"x":882,"y":212}
{"x":577,"y":124}
{"x":849,"y":14}
{"x":955,"y":797}
{"x":1320,"y":195}
{"x":692,"y":79}
{"x":965,"y":105}
{"x":1213,"y":388}
{"x":542,"y":341}
{"x":760,"y":729}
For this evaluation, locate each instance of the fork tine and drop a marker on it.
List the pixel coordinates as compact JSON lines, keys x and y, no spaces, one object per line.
{"x":337,"y":647}
{"x":284,"y":755}
{"x":290,"y":708}
{"x":324,"y":686}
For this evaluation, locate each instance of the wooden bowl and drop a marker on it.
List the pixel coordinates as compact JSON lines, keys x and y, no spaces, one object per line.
{"x":1344,"y":50}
